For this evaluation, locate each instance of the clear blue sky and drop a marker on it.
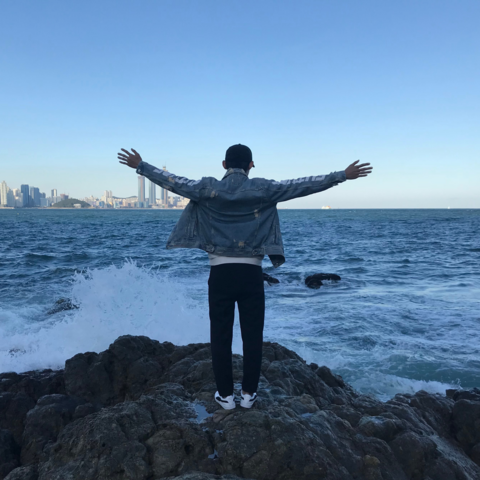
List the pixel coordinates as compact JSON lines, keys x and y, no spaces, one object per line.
{"x":309,"y":86}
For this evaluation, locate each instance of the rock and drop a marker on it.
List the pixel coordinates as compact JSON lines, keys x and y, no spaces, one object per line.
{"x":473,"y":394}
{"x":28,"y":472}
{"x":466,"y":424}
{"x":380,"y":427}
{"x":44,"y":422}
{"x":269,"y":279}
{"x":414,"y":453}
{"x":315,"y":281}
{"x":61,"y":305}
{"x":204,"y":476}
{"x":9,"y":453}
{"x":145,"y":410}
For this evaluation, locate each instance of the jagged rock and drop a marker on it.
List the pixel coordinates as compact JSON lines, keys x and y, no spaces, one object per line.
{"x":44,"y":422}
{"x":61,"y":305}
{"x":473,"y":394}
{"x":144,"y":410}
{"x":466,"y":423}
{"x":315,"y":281}
{"x":9,"y":453}
{"x":204,"y":476}
{"x":269,"y":279}
{"x":28,"y":472}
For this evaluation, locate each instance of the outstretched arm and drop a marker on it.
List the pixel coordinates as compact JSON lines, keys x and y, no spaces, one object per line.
{"x":179,"y":185}
{"x":301,"y":187}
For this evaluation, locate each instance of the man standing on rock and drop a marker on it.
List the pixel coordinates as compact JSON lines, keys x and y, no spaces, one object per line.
{"x":235,"y":220}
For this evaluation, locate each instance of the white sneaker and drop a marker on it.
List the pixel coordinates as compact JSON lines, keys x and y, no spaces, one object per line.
{"x":226,"y":402}
{"x":247,"y":400}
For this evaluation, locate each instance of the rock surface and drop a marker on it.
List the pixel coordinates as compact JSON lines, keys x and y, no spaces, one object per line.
{"x":61,"y":305}
{"x":269,"y":279}
{"x":144,"y":410}
{"x":315,"y":281}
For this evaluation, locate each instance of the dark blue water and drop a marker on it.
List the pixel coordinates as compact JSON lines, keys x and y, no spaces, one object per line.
{"x":404,"y":317}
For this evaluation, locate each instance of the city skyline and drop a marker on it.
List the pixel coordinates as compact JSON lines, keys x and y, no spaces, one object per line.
{"x":28,"y":196}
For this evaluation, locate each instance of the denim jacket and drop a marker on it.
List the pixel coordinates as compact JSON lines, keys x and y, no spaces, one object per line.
{"x":235,"y":216}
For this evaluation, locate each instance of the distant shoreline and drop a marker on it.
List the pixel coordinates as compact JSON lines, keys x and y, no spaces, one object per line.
{"x":181,"y":209}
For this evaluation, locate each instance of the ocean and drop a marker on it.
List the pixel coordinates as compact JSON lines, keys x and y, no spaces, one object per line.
{"x":405,"y":315}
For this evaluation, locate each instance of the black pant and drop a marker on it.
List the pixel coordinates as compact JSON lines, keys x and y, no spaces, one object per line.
{"x":241,"y":283}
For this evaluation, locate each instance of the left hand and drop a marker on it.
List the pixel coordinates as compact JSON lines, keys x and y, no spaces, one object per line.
{"x":130,"y":159}
{"x":354,"y":171}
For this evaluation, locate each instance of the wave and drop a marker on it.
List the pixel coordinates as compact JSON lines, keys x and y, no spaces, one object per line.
{"x":112,"y":301}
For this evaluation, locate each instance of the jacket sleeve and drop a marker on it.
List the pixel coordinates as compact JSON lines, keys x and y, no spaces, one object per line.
{"x":301,"y":187}
{"x":179,"y":185}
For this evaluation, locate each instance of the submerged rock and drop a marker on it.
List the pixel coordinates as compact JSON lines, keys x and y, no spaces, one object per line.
{"x":145,"y":410}
{"x":61,"y":305}
{"x":269,"y":279}
{"x":315,"y":281}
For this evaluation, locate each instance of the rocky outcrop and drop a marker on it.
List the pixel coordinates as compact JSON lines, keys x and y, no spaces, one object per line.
{"x":315,"y":281}
{"x":269,"y":279}
{"x":61,"y":305}
{"x":145,"y":410}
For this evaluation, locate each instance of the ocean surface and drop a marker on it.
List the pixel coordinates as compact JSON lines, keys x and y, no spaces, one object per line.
{"x":405,"y":315}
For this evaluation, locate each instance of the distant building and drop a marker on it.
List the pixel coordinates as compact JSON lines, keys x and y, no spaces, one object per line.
{"x":3,"y":193}
{"x":164,"y":193}
{"x":25,"y":189}
{"x":152,"y":196}
{"x":35,"y":196}
{"x":108,"y":197}
{"x":54,"y":193}
{"x":18,"y":197}
{"x":10,"y":198}
{"x":182,"y":202}
{"x":63,"y":196}
{"x":141,"y":189}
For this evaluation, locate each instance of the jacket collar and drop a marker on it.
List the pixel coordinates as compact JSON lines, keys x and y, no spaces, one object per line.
{"x":234,"y":170}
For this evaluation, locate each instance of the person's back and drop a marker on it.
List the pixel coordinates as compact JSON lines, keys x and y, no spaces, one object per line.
{"x":235,"y":220}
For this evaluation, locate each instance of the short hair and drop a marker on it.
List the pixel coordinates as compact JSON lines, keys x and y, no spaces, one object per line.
{"x":238,"y":156}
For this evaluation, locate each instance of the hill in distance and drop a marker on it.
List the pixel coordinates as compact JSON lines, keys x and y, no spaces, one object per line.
{"x":69,"y":203}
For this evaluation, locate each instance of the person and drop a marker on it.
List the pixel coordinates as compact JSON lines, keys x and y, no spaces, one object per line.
{"x":235,"y":220}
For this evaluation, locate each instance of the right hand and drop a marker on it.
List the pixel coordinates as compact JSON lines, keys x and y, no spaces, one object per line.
{"x":354,"y":171}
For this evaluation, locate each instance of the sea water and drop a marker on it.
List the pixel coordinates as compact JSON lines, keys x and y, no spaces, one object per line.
{"x":405,"y":315}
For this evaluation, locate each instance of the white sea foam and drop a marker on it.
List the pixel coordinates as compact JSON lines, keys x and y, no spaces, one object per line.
{"x":385,"y":386}
{"x":113,"y":301}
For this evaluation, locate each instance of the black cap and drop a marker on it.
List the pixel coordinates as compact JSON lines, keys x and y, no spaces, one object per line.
{"x":238,"y":156}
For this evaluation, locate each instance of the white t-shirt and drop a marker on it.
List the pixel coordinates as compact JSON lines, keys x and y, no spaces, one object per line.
{"x":219,"y":260}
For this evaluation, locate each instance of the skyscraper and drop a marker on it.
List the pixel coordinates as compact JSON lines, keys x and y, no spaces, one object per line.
{"x":3,"y":193}
{"x":34,"y":196}
{"x":54,"y":193}
{"x":10,"y":198}
{"x":25,"y":189}
{"x":164,"y":193}
{"x":152,"y":196}
{"x":141,"y":189}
